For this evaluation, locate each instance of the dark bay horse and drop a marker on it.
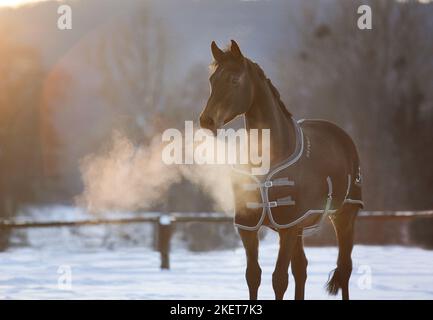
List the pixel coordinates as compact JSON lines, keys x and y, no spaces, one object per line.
{"x":314,"y":173}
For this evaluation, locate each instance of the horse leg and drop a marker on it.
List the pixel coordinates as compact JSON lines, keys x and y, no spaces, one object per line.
{"x":280,"y":276}
{"x":344,"y":223}
{"x":253,"y":272}
{"x":299,"y":267}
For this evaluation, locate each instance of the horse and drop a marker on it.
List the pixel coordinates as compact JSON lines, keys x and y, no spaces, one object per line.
{"x":315,"y":172}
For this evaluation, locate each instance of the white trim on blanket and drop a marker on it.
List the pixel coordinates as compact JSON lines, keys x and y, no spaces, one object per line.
{"x":283,"y":226}
{"x":354,"y":201}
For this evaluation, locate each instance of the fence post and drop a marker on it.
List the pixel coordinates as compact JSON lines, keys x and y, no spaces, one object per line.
{"x":164,"y":236}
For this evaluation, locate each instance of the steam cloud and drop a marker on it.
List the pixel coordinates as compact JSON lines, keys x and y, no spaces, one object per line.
{"x":129,"y":177}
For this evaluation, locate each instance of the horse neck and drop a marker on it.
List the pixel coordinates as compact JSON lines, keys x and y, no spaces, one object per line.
{"x":266,"y":113}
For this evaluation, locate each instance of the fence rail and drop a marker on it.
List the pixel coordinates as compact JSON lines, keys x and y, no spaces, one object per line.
{"x":178,"y":217}
{"x":164,"y":222}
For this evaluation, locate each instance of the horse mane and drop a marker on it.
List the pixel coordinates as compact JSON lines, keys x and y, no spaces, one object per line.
{"x":271,"y":86}
{"x":261,"y":73}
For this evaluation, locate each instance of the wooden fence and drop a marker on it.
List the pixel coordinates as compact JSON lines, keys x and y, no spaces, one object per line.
{"x":165,"y":221}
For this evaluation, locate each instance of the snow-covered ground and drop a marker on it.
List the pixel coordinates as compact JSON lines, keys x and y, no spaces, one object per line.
{"x":133,"y":273}
{"x":117,"y":262}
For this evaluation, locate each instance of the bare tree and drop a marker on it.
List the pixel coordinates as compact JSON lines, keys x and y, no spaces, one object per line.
{"x":20,"y":147}
{"x":372,"y":82}
{"x":131,"y":57}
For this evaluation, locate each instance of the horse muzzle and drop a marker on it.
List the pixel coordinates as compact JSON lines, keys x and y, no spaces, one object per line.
{"x":208,"y":123}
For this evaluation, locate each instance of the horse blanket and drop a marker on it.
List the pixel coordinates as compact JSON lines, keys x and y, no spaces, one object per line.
{"x":304,"y":188}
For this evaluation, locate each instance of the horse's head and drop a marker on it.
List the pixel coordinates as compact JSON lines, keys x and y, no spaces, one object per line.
{"x":231,"y":88}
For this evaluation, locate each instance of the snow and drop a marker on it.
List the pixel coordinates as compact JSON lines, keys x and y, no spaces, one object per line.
{"x":132,"y":272}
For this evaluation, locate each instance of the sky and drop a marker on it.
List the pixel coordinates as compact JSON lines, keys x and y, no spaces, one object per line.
{"x":17,"y":3}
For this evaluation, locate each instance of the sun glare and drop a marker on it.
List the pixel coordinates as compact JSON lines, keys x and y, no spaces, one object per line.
{"x":17,"y":3}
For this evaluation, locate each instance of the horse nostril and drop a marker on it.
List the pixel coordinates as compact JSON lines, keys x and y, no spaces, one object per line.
{"x":206,"y":123}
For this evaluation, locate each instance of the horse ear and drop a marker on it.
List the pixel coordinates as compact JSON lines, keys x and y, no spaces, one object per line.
{"x":216,"y":52}
{"x":235,"y":50}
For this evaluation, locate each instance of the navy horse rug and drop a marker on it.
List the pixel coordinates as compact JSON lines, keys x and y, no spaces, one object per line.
{"x":305,"y":187}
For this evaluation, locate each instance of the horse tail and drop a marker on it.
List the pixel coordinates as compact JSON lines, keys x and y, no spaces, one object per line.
{"x":355,"y":189}
{"x":339,"y":277}
{"x":334,"y":282}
